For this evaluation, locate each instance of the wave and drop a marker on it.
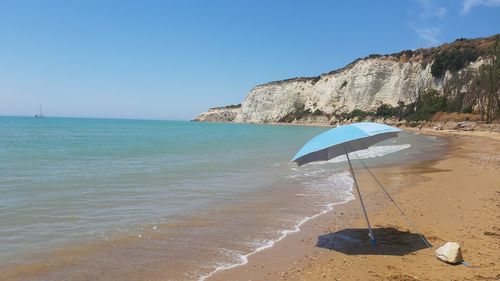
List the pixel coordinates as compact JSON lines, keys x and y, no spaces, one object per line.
{"x":371,"y":152}
{"x":342,"y":179}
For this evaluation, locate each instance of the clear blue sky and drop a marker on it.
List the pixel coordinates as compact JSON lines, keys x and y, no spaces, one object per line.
{"x":174,"y":59}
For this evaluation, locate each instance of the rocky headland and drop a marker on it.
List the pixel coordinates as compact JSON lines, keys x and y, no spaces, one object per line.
{"x":393,"y":80}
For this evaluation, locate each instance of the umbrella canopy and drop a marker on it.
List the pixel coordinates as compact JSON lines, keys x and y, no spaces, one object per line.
{"x":342,"y":140}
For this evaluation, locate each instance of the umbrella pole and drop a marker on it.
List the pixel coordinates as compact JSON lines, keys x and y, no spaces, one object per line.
{"x":370,"y":234}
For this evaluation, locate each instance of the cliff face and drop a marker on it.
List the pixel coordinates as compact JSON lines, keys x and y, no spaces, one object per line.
{"x":364,"y":84}
{"x":220,"y":114}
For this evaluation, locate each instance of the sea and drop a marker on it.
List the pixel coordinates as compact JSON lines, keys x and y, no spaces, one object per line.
{"x":106,"y":199}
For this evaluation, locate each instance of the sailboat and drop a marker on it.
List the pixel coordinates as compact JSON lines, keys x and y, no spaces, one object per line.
{"x":40,"y":115}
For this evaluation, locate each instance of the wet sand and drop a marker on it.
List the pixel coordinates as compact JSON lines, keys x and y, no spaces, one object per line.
{"x":456,"y":198}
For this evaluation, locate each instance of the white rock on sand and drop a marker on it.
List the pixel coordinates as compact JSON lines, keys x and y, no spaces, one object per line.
{"x":450,"y":253}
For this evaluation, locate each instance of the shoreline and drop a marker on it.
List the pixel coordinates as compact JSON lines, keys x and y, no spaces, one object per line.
{"x":431,"y":126}
{"x":284,"y":234}
{"x":297,"y":257}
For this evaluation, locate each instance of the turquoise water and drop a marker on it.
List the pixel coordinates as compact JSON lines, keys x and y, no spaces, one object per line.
{"x":187,"y":187}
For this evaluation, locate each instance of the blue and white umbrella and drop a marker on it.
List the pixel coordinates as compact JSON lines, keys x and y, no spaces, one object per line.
{"x":343,"y":140}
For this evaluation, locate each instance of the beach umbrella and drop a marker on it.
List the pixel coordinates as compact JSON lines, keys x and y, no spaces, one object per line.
{"x":344,"y":140}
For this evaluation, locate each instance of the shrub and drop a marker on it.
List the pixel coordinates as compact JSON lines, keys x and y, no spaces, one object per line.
{"x":453,"y":60}
{"x":409,"y":109}
{"x":428,"y":103}
{"x":233,"y":106}
{"x":318,"y":112}
{"x":467,"y":109}
{"x":358,"y":113}
{"x":296,"y":114}
{"x":386,"y":110}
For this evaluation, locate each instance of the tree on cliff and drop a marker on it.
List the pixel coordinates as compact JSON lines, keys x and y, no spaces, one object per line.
{"x":485,"y":87}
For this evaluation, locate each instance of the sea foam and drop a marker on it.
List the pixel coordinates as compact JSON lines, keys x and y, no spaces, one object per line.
{"x":343,"y":180}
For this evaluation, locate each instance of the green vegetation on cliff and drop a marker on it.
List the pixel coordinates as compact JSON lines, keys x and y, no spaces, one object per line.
{"x":465,"y":92}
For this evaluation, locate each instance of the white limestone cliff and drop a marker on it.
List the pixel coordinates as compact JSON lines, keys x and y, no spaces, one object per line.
{"x":220,"y":114}
{"x":364,"y":84}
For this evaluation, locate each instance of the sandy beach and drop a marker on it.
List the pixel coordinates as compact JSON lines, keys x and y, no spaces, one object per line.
{"x":456,"y":198}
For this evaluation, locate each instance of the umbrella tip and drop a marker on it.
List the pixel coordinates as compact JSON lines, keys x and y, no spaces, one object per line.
{"x":373,"y":241}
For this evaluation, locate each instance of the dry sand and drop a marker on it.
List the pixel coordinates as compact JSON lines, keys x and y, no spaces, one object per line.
{"x":456,"y":198}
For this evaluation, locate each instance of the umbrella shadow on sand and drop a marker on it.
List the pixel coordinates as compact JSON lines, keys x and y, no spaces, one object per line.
{"x":354,"y":241}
